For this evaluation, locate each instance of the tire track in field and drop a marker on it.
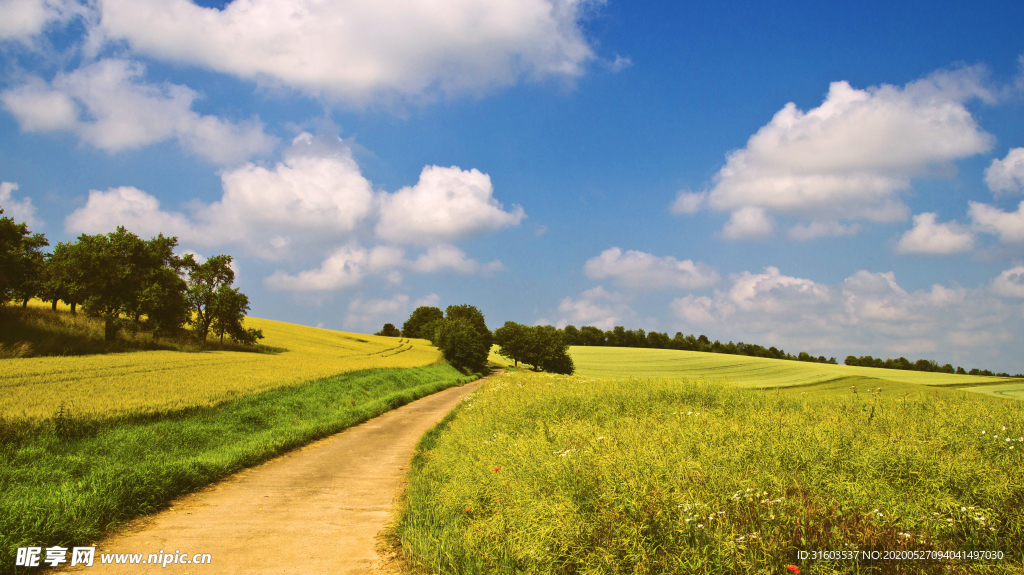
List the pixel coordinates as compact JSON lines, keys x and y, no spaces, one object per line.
{"x":318,"y":509}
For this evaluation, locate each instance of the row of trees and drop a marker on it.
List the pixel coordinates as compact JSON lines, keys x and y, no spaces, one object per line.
{"x":465,"y":341}
{"x":622,"y":337}
{"x":919,"y":365}
{"x":125,"y":280}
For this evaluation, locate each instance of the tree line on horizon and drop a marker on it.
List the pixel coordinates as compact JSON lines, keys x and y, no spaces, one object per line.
{"x":919,"y":365}
{"x":128,"y":282}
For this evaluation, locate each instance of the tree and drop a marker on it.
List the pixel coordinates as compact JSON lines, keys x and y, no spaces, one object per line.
{"x":513,"y":341}
{"x":228,"y":312}
{"x":475,"y":318}
{"x":420,"y":318}
{"x":461,"y":344}
{"x":204,"y":283}
{"x":64,"y":276}
{"x":118,"y":268}
{"x":389,"y":330}
{"x":547,"y":351}
{"x":21,"y":261}
{"x":571,"y":335}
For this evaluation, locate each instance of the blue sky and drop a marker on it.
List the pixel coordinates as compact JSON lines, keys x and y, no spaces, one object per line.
{"x":840,"y":178}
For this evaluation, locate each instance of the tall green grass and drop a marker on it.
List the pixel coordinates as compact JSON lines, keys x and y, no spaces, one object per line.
{"x":67,"y":480}
{"x":550,"y":474}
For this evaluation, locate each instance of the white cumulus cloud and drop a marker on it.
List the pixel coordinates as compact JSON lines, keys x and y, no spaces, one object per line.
{"x":636,"y":269}
{"x":20,"y":211}
{"x":867,"y":313}
{"x":1010,"y":283}
{"x":446,"y":204}
{"x":316,"y":192}
{"x":374,"y":313}
{"x":597,"y":307}
{"x":22,"y":19}
{"x":931,"y":238}
{"x":356,"y":50}
{"x":1009,"y":226}
{"x":1006,"y":175}
{"x":109,"y":105}
{"x":849,"y":158}
{"x":350,"y":264}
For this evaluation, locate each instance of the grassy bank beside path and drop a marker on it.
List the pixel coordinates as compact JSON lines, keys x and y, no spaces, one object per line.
{"x":541,"y":474}
{"x":68,"y":479}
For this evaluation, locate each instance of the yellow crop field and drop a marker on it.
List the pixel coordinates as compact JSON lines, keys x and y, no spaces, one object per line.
{"x":619,"y":362}
{"x":164,"y":380}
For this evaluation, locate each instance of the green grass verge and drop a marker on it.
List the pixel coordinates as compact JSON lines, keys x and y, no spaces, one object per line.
{"x":69,"y":479}
{"x":552,"y":474}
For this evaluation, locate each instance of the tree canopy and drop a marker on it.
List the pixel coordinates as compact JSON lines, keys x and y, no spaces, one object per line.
{"x":421,"y":318}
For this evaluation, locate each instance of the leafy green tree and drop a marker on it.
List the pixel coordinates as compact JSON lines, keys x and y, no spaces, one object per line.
{"x":64,"y":276}
{"x":461,"y":344}
{"x":118,"y":268}
{"x":546,"y":350}
{"x":204,"y":283}
{"x":21,"y":261}
{"x":420,"y":318}
{"x":228,"y":312}
{"x":571,"y":335}
{"x":590,"y":335}
{"x":513,"y":340}
{"x":389,"y":330}
{"x":475,"y":318}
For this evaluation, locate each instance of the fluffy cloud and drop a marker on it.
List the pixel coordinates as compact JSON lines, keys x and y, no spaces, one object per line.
{"x":374,"y":313}
{"x":1006,"y":175}
{"x":1009,"y":226}
{"x":108,"y":105}
{"x":1010,"y":283}
{"x":22,"y":211}
{"x":348,"y":265}
{"x":847,"y":159}
{"x":822,"y":228}
{"x":642,"y":270}
{"x":446,"y":204}
{"x":748,"y":222}
{"x":355,"y":50}
{"x":867,"y":313}
{"x":597,"y":307}
{"x":931,"y":238}
{"x":317,"y":192}
{"x":22,"y":19}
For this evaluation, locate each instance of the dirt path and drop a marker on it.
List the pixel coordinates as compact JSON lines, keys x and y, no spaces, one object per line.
{"x":315,"y":510}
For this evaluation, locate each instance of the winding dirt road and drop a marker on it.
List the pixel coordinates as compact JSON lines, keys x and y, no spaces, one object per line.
{"x":315,"y":510}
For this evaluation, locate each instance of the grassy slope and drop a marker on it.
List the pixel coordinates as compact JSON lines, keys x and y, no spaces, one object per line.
{"x":552,"y":474}
{"x":164,"y":380}
{"x":761,"y":372}
{"x":66,"y":481}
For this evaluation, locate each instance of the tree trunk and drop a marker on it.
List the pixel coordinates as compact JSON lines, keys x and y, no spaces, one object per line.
{"x":24,"y":302}
{"x":54,"y":306}
{"x":73,"y":305}
{"x":110,"y":328}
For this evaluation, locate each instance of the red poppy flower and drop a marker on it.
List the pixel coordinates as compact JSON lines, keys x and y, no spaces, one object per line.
{"x":468,"y":510}
{"x":794,"y":569}
{"x":497,"y":469}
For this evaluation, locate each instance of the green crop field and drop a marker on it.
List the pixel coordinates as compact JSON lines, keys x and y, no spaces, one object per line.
{"x":744,"y":371}
{"x":169,"y":380}
{"x":543,"y":474}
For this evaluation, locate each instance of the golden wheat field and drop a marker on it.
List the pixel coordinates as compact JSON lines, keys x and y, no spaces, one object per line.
{"x":618,"y":362}
{"x":163,"y":380}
